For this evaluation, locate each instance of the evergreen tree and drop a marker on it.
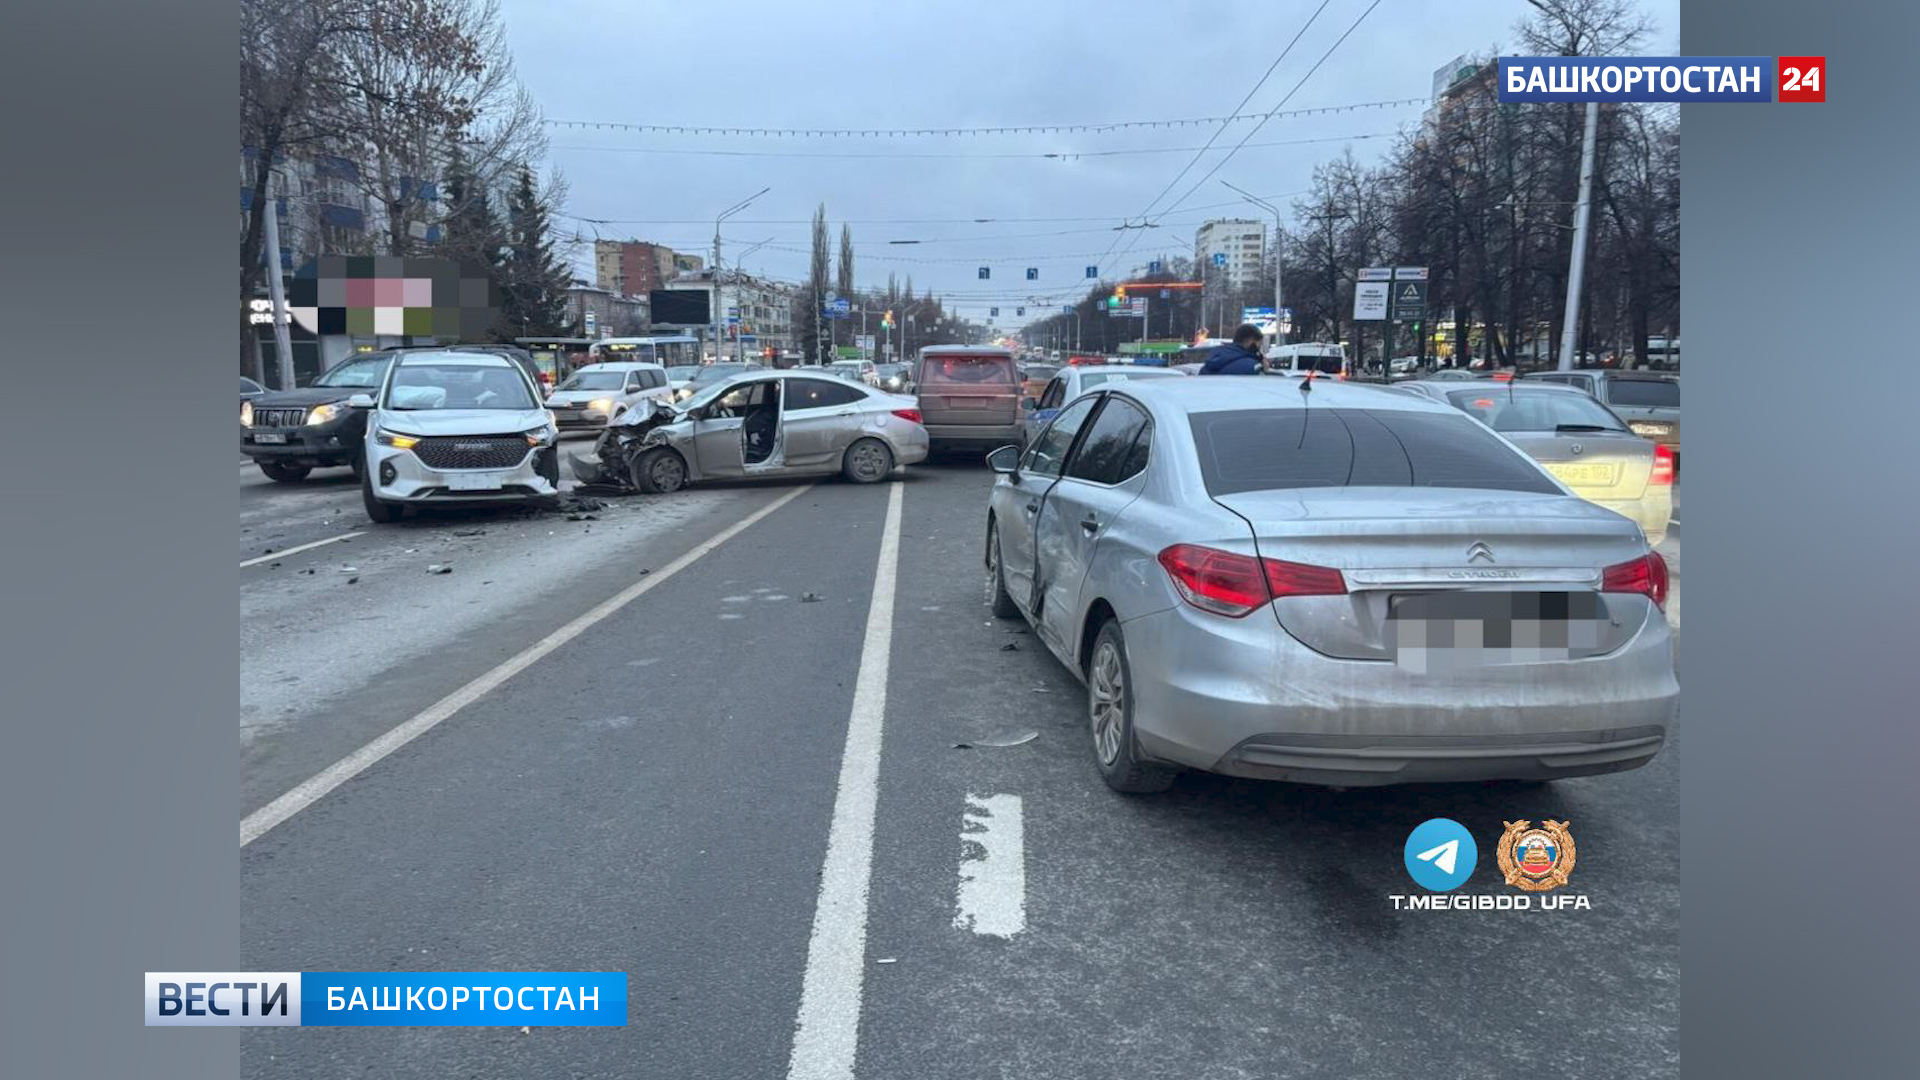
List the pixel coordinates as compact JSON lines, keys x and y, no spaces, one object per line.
{"x":534,"y":292}
{"x":473,"y":236}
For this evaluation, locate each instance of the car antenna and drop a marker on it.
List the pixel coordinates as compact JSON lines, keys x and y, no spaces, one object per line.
{"x":1306,"y":402}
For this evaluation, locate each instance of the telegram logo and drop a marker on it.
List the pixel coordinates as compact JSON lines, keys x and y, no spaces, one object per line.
{"x":1440,"y":854}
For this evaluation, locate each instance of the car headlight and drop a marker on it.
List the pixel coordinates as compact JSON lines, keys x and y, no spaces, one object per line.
{"x":320,"y":414}
{"x":246,"y":414}
{"x":601,"y":405}
{"x":542,"y":435}
{"x":395,"y":439}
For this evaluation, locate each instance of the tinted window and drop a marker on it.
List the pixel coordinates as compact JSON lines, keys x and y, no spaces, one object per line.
{"x":1642,"y":393}
{"x":1055,"y":393}
{"x":820,"y":394}
{"x":357,"y":373}
{"x":1049,"y":451}
{"x":1269,"y":449}
{"x":1521,"y":409}
{"x":970,"y":370}
{"x":1106,"y":454}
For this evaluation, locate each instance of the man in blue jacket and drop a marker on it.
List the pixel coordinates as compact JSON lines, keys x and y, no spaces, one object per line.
{"x":1242,"y":357}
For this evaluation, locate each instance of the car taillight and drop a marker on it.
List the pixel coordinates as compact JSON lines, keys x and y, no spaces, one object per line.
{"x":1646,"y":575}
{"x":1662,"y":465}
{"x":909,"y":415}
{"x":1231,"y":584}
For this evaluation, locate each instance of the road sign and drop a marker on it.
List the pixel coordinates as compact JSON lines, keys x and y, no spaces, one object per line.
{"x":1256,"y":314}
{"x":839,"y":307}
{"x":733,"y":320}
{"x":1020,"y":312}
{"x":993,"y":311}
{"x":1033,"y":273}
{"x":733,"y":313}
{"x":865,"y":341}
{"x":1409,"y":300}
{"x":1066,"y":309}
{"x":1370,"y":299}
{"x":591,"y":321}
{"x":986,"y":272}
{"x":1093,"y":271}
{"x":1409,"y":273}
{"x":1375,"y":273}
{"x":1153,"y":267}
{"x":1219,"y":258}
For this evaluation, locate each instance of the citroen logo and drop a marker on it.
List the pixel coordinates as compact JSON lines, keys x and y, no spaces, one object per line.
{"x":1478,"y":550}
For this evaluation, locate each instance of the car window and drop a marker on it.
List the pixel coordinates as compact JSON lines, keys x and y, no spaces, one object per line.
{"x":1048,"y":453}
{"x":963,"y":370}
{"x":819,"y":394}
{"x":1055,"y":392}
{"x":1106,"y":454}
{"x":449,"y":385}
{"x":1522,"y":409}
{"x":1644,"y":393}
{"x":592,"y":380}
{"x":356,"y":374}
{"x":1277,"y":449}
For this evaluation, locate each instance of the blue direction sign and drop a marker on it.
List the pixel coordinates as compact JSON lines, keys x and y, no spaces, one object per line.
{"x":1033,"y":273}
{"x":993,"y":311}
{"x":1093,"y":271}
{"x":1066,"y":309}
{"x":986,"y":272}
{"x":838,"y":308}
{"x":1153,"y":267}
{"x":1219,"y":258}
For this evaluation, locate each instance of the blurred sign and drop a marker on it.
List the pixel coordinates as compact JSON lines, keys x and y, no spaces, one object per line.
{"x":839,"y":308}
{"x":1370,"y":299}
{"x":592,"y":321}
{"x":1153,"y":267}
{"x":1409,"y":273}
{"x":1375,"y":273}
{"x":865,"y":341}
{"x":1219,"y":258}
{"x":993,"y":311}
{"x":1066,"y":309}
{"x":1033,"y":273}
{"x":1093,"y":271}
{"x":985,"y":273}
{"x":1256,"y":314}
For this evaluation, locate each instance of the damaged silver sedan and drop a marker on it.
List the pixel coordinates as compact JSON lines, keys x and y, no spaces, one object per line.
{"x":762,"y":423}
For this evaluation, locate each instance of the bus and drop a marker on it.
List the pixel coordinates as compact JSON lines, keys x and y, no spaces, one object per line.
{"x":680,"y":351}
{"x":555,"y":357}
{"x":1325,"y":357}
{"x":1663,"y":354}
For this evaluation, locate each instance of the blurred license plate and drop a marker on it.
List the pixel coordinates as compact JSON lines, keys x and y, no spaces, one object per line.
{"x":487,"y":481}
{"x":1652,"y":429}
{"x":1435,"y":632}
{"x":266,"y":437}
{"x":1582,"y":473}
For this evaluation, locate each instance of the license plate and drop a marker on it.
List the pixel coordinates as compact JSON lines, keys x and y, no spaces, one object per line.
{"x":274,"y":438}
{"x":1651,"y":429}
{"x":1438,"y":632}
{"x":1587,"y":473}
{"x":487,"y":481}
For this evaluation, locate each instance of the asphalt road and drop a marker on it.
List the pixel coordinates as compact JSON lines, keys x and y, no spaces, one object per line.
{"x":672,"y":791}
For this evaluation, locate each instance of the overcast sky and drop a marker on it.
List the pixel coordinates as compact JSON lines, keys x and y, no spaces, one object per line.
{"x":971,"y":63}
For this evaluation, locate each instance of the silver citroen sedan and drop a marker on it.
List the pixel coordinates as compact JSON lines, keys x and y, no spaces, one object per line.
{"x":1327,"y":583}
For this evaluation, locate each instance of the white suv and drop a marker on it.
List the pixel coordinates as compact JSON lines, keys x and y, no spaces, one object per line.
{"x":598,"y":394}
{"x":456,"y":427}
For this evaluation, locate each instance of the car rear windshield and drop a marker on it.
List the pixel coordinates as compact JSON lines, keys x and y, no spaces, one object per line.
{"x":1041,"y":372}
{"x":1270,"y":449}
{"x":1095,"y":378}
{"x":1325,"y":365}
{"x":356,"y":374}
{"x":596,"y":380}
{"x":1523,"y":409}
{"x":976,"y":370}
{"x":1644,"y":393}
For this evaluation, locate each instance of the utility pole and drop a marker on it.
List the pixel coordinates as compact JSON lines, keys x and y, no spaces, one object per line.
{"x":714,"y":316}
{"x":282,"y":341}
{"x":1582,"y":212}
{"x":1279,"y":335}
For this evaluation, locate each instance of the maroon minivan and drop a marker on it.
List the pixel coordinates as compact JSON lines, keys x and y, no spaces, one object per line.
{"x":969,"y":396}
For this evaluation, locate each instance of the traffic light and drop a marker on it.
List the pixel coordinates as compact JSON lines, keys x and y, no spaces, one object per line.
{"x":886,"y":321}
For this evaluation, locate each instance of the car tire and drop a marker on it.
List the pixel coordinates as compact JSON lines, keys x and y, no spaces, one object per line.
{"x":867,"y":461}
{"x":358,"y":463}
{"x":284,"y":474}
{"x":660,"y":471}
{"x":1110,"y":712}
{"x":378,"y":509}
{"x":997,"y":596}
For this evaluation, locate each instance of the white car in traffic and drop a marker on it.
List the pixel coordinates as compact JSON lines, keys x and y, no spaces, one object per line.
{"x":453,"y":427}
{"x":596,"y":394}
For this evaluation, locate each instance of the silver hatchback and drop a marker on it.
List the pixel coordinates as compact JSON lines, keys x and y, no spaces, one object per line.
{"x":1327,"y":583}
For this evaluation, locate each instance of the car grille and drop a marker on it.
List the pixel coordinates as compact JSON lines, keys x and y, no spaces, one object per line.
{"x":279,"y":417}
{"x":472,"y":451}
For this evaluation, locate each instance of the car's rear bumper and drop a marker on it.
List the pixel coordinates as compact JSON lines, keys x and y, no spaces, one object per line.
{"x":1242,"y":697}
{"x":997,"y":434}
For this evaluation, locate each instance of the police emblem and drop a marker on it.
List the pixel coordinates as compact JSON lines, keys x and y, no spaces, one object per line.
{"x":1535,"y":860}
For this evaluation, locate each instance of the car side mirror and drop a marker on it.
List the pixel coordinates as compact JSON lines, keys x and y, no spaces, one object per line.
{"x":1029,"y":404}
{"x":1005,"y":461}
{"x":360,"y":401}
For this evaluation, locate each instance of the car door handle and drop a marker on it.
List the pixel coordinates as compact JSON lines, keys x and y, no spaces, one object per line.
{"x":1033,"y":508}
{"x":1090,"y":523}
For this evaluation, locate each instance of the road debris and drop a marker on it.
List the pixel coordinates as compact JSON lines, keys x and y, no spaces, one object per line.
{"x":1010,"y":647}
{"x":811,"y":598}
{"x":439,"y":568}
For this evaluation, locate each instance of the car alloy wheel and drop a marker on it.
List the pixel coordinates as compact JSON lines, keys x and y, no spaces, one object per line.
{"x":1107,"y":702}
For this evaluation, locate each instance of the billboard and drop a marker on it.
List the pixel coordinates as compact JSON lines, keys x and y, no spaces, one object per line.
{"x":681,"y":307}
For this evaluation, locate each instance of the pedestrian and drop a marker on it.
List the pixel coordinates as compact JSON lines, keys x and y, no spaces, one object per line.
{"x":1240,"y":357}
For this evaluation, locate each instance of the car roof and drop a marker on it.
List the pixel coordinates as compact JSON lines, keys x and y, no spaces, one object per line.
{"x":1500,"y":384}
{"x":965,"y":350}
{"x":1228,"y":393}
{"x":619,"y":365}
{"x":467,"y":356}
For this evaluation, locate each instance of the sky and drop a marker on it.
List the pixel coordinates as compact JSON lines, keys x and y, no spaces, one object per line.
{"x":918,"y":64}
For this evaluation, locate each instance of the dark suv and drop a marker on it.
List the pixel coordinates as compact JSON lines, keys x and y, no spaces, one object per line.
{"x":290,"y":433}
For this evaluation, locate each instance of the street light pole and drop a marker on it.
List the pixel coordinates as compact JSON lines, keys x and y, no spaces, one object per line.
{"x":714,"y":315}
{"x":1279,"y":334}
{"x":282,"y":336}
{"x":1577,"y":270}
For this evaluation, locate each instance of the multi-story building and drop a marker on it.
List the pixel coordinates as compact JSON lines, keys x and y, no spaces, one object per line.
{"x":1242,"y":242}
{"x":614,"y":315}
{"x":753,"y":313}
{"x":637,"y":267}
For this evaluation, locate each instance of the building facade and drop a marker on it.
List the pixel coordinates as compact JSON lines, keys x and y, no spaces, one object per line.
{"x":755,"y":314}
{"x":612,"y":315}
{"x":1242,"y":244}
{"x":637,"y":267}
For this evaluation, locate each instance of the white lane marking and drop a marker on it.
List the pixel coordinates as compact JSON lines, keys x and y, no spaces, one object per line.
{"x":296,"y":549}
{"x":826,"y":1033}
{"x":993,"y":884}
{"x":312,"y":790}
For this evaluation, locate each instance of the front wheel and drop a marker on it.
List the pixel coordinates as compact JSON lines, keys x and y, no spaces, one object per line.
{"x":284,"y":474}
{"x":378,"y":509}
{"x":1110,"y":711}
{"x":660,"y":471}
{"x":997,"y":596}
{"x":867,"y":461}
